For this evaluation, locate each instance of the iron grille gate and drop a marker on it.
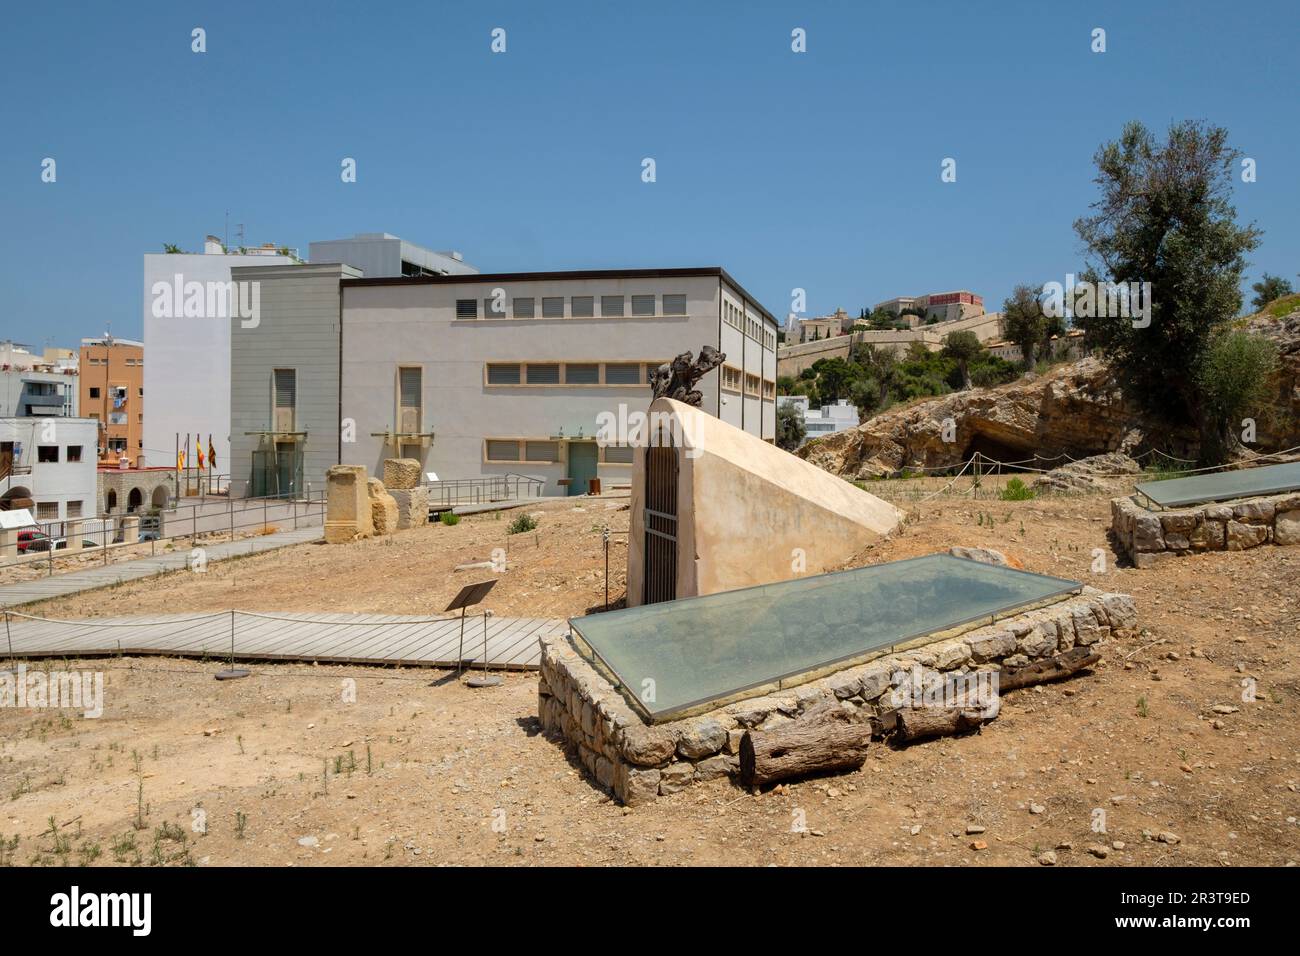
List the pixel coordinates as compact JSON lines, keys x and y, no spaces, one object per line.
{"x":660,"y":521}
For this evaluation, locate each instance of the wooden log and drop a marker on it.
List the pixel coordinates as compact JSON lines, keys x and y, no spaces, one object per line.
{"x":830,"y":739}
{"x":919,"y":723}
{"x":1050,"y":669}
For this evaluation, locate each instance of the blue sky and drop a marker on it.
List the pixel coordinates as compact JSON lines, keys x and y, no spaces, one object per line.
{"x":817,"y":170}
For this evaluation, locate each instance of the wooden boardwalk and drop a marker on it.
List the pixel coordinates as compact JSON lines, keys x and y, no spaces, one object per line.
{"x":102,"y":576}
{"x":512,"y":643}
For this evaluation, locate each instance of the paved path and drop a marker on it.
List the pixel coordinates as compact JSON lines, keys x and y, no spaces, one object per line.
{"x":335,"y":638}
{"x":99,"y":576}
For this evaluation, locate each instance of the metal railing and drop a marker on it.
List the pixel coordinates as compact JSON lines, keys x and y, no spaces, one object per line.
{"x":107,"y":534}
{"x":484,"y":489}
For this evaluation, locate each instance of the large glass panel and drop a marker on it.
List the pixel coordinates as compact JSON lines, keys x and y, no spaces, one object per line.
{"x":1245,"y":483}
{"x":707,"y":648}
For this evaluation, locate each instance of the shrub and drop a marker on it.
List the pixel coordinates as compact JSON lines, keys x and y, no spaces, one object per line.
{"x":449,"y":518}
{"x":1016,"y":490}
{"x":522,"y":523}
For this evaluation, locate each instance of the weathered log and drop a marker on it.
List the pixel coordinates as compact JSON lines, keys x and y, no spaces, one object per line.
{"x":677,"y":379}
{"x":827,"y":739}
{"x":918,"y":723}
{"x":1050,"y":669}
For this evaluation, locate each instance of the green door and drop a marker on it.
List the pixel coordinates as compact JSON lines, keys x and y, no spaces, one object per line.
{"x":582,"y":465}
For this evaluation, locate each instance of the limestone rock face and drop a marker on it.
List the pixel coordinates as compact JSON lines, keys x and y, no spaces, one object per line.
{"x":347,"y":505}
{"x":383,"y":509}
{"x":412,"y":506}
{"x":401,"y":474}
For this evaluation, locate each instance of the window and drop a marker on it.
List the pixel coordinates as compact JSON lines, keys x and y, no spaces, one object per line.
{"x":74,"y":509}
{"x":541,"y":451}
{"x":582,"y":373}
{"x":553,"y":307}
{"x":618,"y":454}
{"x":543,"y":374}
{"x":490,"y":310}
{"x":674,"y":305}
{"x":74,"y":453}
{"x":94,"y":391}
{"x":524,"y":308}
{"x":410,"y":399}
{"x":643,"y":305}
{"x":751,"y":384}
{"x":611,"y":306}
{"x":467,"y":308}
{"x":498,"y":450}
{"x":503,"y":375}
{"x":651,"y":367}
{"x":769,"y":390}
{"x":731,"y":378}
{"x":47,"y":453}
{"x":47,"y":510}
{"x":621,"y":373}
{"x":582,"y":306}
{"x":285,"y":385}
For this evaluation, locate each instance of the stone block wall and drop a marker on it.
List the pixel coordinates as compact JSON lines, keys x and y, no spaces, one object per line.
{"x":1148,"y":536}
{"x":637,"y":761}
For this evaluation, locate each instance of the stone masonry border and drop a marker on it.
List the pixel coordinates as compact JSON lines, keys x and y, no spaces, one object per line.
{"x":1149,"y":537}
{"x":638,"y":762}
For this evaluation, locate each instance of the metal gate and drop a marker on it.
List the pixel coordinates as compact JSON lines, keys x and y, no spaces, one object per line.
{"x":660,"y":520}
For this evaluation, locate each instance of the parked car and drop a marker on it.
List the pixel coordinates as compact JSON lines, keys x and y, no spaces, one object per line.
{"x":150,"y":535}
{"x":38,"y":541}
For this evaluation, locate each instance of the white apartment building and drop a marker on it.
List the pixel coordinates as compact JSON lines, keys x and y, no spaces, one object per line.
{"x":48,"y":466}
{"x":483,"y":375}
{"x":839,"y":417}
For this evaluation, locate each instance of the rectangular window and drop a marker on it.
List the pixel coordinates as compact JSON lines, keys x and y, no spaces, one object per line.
{"x":503,"y":375}
{"x":74,"y":509}
{"x":285,"y":386}
{"x":751,"y":384}
{"x":498,"y":450}
{"x":524,"y":307}
{"x":410,"y":399}
{"x":611,"y":306}
{"x":490,"y":310}
{"x":543,"y":374}
{"x":467,"y":308}
{"x":618,"y":454}
{"x":74,"y":453}
{"x":47,"y":453}
{"x":582,"y":306}
{"x":47,"y":510}
{"x":541,"y":451}
{"x":622,"y":373}
{"x":674,"y":305}
{"x":583,"y":373}
{"x":731,"y":378}
{"x":769,"y":390}
{"x":553,"y":307}
{"x":94,"y":391}
{"x":643,"y":305}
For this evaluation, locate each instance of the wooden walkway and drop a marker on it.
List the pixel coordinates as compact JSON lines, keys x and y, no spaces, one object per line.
{"x":512,"y":643}
{"x":107,"y":575}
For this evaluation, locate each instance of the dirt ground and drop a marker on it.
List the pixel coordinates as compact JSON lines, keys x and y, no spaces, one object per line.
{"x":419,"y":770}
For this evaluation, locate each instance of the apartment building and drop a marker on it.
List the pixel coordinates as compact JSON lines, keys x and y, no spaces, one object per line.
{"x":826,"y":420}
{"x":937,"y":306}
{"x":112,"y":393}
{"x":482,"y":374}
{"x":48,"y":466}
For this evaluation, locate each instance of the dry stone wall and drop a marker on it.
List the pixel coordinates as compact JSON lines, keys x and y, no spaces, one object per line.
{"x":637,"y":761}
{"x":1148,"y":537}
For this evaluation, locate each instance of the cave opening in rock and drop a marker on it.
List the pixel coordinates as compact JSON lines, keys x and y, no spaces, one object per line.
{"x":999,"y":451}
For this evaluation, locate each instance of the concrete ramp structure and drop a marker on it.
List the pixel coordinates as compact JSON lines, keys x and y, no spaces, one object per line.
{"x":714,"y":509}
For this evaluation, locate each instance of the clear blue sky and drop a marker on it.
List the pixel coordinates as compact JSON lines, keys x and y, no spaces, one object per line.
{"x":818,"y":170}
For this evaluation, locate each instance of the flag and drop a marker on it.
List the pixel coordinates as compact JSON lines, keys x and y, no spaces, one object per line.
{"x":212,"y":454}
{"x":180,"y":459}
{"x":198,"y":450}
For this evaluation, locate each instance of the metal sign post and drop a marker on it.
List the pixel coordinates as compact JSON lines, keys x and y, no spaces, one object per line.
{"x":470,"y":595}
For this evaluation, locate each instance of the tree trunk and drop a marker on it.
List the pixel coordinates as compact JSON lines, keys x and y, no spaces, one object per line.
{"x":1050,"y":669}
{"x":918,"y":723}
{"x":827,"y":739}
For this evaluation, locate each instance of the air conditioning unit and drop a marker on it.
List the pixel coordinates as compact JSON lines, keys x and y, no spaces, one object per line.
{"x":410,"y":421}
{"x":284,"y":420}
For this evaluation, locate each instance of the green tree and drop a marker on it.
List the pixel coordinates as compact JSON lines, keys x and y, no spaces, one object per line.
{"x":1164,"y":217}
{"x":171,"y":249}
{"x":790,"y":429}
{"x":1269,"y":289}
{"x":1236,"y":378}
{"x":962,"y":347}
{"x":1024,"y":321}
{"x":881,"y":366}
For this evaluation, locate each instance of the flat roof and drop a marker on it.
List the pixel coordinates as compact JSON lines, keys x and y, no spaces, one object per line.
{"x":699,"y":652}
{"x":1222,"y":486}
{"x":686,"y":273}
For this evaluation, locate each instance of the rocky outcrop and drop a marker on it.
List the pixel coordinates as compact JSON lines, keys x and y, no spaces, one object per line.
{"x":1077,"y":410}
{"x":1088,"y":474}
